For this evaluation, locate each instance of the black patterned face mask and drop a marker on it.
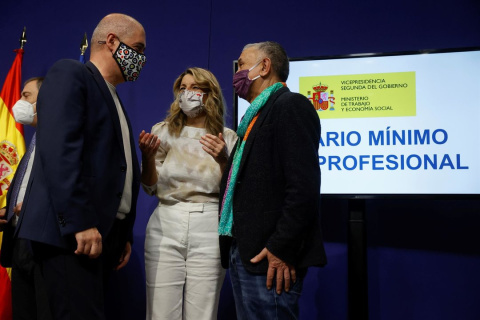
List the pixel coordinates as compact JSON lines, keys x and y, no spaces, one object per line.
{"x":130,"y":61}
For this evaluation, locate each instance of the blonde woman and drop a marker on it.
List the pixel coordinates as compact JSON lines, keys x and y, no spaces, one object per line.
{"x":182,"y":163}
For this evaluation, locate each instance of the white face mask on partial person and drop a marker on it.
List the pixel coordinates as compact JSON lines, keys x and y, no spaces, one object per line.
{"x":191,"y":102}
{"x":23,"y":112}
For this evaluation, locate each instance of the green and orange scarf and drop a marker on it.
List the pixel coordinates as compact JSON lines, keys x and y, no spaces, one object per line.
{"x":226,"y":214}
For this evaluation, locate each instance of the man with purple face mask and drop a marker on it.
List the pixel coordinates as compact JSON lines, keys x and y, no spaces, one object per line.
{"x":269,"y":218}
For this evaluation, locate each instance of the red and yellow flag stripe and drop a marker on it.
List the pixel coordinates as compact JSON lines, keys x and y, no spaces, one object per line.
{"x":12,"y":142}
{"x":12,"y":148}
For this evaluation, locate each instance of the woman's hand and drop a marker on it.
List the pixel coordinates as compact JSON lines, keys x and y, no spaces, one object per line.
{"x":216,"y":147}
{"x":148,"y":144}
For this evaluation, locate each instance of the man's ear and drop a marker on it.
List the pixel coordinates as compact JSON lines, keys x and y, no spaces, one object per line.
{"x":111,"y":42}
{"x":266,"y":67}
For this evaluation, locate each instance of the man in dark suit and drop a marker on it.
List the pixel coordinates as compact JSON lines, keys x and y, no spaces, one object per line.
{"x":29,"y":300}
{"x":270,"y":220}
{"x":80,"y":202}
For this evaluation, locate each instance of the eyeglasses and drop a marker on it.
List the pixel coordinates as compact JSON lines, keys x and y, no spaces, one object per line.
{"x":139,"y":48}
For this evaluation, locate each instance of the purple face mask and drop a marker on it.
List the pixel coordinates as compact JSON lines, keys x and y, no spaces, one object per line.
{"x":241,"y":82}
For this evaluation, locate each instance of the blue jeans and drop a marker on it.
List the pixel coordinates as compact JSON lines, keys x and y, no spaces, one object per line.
{"x":253,"y":300}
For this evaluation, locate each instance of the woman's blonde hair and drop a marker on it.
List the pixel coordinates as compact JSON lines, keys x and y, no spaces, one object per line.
{"x":214,"y":105}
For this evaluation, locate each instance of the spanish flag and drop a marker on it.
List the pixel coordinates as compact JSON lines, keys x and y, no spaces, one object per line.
{"x":12,"y":143}
{"x":12,"y":148}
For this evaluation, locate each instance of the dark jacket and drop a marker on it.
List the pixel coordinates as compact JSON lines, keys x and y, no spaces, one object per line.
{"x":79,"y":169}
{"x":276,"y":199}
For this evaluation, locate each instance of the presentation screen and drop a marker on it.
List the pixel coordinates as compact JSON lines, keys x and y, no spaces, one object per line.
{"x":394,"y":124}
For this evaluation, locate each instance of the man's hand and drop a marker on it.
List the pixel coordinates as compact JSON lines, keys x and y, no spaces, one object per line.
{"x":17,"y":209}
{"x":3,"y":216}
{"x":89,"y":242}
{"x":278,"y":269}
{"x":125,"y":256}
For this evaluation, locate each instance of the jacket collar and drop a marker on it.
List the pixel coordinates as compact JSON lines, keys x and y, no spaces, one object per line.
{"x":102,"y":85}
{"x":258,"y":124}
{"x":107,"y":95}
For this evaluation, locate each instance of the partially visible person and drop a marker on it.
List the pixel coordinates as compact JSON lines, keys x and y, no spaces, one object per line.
{"x":270,"y":215}
{"x":182,"y":163}
{"x":29,"y":298}
{"x":80,"y":203}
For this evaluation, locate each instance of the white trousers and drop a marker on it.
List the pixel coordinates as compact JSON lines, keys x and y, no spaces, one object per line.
{"x":182,"y":262}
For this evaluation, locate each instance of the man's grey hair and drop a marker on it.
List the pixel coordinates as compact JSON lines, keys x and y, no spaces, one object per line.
{"x":120,"y":24}
{"x":275,"y":52}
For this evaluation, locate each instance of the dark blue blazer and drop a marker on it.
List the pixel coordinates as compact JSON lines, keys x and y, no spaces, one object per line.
{"x":79,"y":169}
{"x":276,"y":199}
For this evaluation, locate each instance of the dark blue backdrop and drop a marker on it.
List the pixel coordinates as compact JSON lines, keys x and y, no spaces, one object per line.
{"x":423,"y":255}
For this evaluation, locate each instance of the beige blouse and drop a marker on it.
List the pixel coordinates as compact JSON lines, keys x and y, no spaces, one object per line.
{"x":186,"y":173}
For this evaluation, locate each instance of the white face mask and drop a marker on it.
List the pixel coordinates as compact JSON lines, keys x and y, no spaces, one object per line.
{"x":191,"y":102}
{"x":23,"y":112}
